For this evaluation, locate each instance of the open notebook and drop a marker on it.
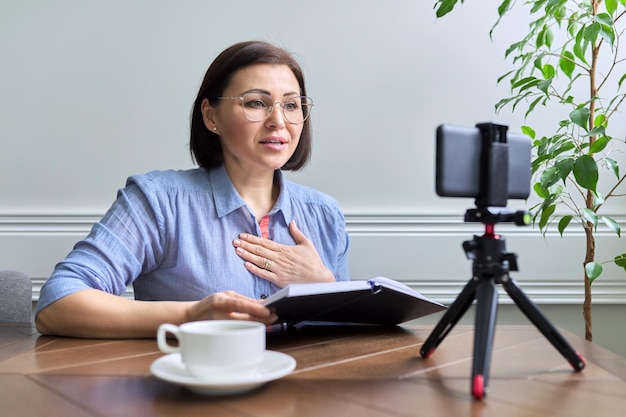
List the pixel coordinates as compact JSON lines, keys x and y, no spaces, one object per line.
{"x":374,"y":301}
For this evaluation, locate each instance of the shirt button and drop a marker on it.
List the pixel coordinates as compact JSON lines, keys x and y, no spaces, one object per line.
{"x":263,"y":296}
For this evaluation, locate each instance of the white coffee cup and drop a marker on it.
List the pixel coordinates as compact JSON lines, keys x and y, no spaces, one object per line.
{"x":216,"y":348}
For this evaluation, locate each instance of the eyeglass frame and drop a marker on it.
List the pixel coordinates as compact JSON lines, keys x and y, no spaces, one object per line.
{"x":282,"y":106}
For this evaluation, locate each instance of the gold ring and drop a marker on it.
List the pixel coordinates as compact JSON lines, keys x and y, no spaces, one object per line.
{"x":268,"y":265}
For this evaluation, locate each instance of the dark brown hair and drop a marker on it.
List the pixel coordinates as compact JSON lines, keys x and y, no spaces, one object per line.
{"x":204,"y":145}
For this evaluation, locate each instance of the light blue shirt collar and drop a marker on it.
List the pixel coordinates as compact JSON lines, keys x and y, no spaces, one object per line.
{"x":227,"y":199}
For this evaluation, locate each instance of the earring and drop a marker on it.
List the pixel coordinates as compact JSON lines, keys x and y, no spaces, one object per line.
{"x":214,"y":129}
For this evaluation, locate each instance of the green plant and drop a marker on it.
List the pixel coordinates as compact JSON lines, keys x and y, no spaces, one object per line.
{"x":570,"y":61}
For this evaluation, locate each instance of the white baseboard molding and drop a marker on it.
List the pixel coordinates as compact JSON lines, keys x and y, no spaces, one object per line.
{"x":422,"y":250}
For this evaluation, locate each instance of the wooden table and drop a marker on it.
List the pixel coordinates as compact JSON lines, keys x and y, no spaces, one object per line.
{"x":341,"y":372}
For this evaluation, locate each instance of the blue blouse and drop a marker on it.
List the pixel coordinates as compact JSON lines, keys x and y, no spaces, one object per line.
{"x":170,"y":233}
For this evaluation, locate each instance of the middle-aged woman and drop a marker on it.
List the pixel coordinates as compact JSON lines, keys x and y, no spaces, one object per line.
{"x":210,"y":242}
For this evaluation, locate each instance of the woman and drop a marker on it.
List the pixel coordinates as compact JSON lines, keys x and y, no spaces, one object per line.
{"x":209,"y":243}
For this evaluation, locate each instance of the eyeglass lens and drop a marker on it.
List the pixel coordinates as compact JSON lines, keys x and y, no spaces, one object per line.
{"x":258,"y":107}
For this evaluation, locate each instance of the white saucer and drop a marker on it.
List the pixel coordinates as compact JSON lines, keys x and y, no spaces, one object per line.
{"x":275,"y":365}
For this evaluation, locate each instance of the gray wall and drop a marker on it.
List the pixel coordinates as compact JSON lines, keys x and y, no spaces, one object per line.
{"x":92,"y":92}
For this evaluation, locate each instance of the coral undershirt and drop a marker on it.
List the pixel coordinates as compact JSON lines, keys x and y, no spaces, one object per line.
{"x":264,"y":225}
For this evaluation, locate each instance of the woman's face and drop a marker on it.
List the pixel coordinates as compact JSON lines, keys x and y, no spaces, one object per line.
{"x":255,"y":147}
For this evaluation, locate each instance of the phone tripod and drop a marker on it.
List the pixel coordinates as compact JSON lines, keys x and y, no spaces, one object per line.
{"x":491,"y":266}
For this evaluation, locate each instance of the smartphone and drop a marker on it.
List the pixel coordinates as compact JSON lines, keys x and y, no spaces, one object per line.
{"x":459,"y":162}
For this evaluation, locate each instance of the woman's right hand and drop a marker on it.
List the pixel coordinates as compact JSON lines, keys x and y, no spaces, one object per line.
{"x":229,"y":305}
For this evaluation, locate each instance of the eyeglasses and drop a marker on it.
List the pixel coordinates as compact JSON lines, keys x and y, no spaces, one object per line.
{"x":257,"y":107}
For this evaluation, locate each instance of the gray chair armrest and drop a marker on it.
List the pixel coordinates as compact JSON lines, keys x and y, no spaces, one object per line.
{"x":16,"y":296}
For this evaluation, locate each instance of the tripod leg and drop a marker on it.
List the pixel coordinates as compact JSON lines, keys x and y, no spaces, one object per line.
{"x":542,"y":323}
{"x":485,"y":322}
{"x":450,"y":318}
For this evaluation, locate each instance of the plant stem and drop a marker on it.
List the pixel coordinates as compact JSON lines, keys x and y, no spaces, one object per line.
{"x":590,"y":252}
{"x":589,"y":257}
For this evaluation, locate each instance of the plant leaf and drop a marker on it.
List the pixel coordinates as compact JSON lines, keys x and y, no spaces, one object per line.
{"x":608,"y":34}
{"x":523,"y":81}
{"x":541,"y":191}
{"x":590,"y":216}
{"x":445,"y":7}
{"x":564,"y":222}
{"x":567,"y":146}
{"x":548,"y":37}
{"x":580,"y":116}
{"x":543,"y":86}
{"x":612,"y":224}
{"x":541,"y":158}
{"x":580,"y":46}
{"x":548,"y":71}
{"x":604,"y":19}
{"x":597,"y":131}
{"x":593,"y":270}
{"x":598,"y":199}
{"x":586,"y":172}
{"x":572,"y":28}
{"x":612,"y":165}
{"x":527,"y":84}
{"x":591,"y":32}
{"x":599,"y":144}
{"x":566,"y":63}
{"x":549,"y":177}
{"x":620,"y":260}
{"x":599,"y":120}
{"x":611,"y":6}
{"x":535,"y":102}
{"x":606,"y":27}
{"x":500,"y":104}
{"x":545,"y":215}
{"x":528,"y":131}
{"x":564,"y":167}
